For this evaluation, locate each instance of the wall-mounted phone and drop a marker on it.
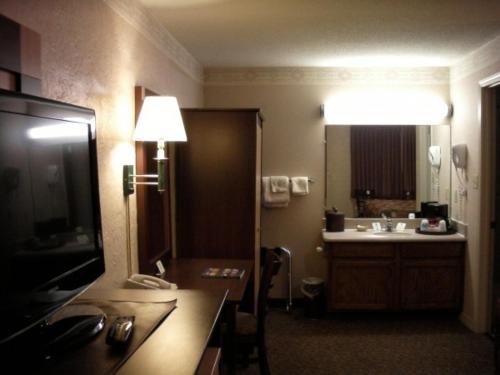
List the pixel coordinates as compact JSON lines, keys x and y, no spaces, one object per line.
{"x":434,"y":155}
{"x":139,"y":281}
{"x":459,"y":156}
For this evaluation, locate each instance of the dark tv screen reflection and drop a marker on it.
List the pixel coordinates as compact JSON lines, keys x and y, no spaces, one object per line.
{"x":50,"y":231}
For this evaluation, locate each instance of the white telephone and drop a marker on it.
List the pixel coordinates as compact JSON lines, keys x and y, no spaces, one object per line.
{"x":139,"y":281}
{"x":459,"y":155}
{"x":434,"y":155}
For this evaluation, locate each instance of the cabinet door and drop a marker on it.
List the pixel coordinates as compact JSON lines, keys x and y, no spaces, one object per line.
{"x":431,"y":284}
{"x":216,"y":184}
{"x":362,"y":285}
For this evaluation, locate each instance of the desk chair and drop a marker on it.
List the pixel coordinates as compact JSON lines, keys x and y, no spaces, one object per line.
{"x":250,"y":329}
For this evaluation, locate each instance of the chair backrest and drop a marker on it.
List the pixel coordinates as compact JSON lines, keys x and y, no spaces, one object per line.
{"x":272,"y":263}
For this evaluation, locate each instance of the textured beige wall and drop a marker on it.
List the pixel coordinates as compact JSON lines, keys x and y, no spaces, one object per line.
{"x":422,"y":182}
{"x":441,"y":136}
{"x":92,"y":57}
{"x":293,"y":145}
{"x":466,"y":128}
{"x":338,"y":169}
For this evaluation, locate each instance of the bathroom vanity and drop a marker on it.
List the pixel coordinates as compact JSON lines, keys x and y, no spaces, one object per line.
{"x":394,"y":271}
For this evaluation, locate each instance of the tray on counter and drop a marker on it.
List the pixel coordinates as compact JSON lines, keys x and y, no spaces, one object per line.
{"x":449,"y":231}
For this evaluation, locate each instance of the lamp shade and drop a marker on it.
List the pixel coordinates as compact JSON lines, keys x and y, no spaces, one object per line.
{"x":160,"y":120}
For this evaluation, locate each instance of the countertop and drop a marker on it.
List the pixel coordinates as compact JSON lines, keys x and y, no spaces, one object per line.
{"x":408,"y":235}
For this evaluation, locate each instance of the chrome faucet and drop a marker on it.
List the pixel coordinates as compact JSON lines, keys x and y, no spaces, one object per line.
{"x":388,"y":223}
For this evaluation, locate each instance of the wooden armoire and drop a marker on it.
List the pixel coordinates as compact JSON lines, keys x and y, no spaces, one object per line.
{"x":217,"y":182}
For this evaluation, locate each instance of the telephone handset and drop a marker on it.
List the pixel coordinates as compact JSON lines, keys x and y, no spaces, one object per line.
{"x":139,"y":281}
{"x":434,"y":155}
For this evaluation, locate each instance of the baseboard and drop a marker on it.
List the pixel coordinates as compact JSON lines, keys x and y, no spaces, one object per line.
{"x":298,"y":303}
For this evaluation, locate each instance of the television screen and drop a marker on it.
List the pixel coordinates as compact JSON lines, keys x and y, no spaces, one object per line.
{"x":50,"y":231}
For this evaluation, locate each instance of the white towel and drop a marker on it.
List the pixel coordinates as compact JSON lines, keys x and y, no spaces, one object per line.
{"x":300,"y":185}
{"x":273,"y":200}
{"x":279,"y":184}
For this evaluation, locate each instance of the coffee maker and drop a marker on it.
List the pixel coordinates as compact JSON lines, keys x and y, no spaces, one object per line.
{"x":435,"y":211}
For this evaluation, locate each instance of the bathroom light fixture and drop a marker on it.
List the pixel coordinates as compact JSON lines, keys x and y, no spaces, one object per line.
{"x":382,"y":107}
{"x":159,"y":121}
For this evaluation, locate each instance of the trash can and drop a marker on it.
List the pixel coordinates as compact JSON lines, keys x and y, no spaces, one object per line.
{"x":313,"y":289}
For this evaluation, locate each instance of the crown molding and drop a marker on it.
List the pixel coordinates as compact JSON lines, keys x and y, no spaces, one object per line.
{"x":481,"y":58}
{"x":326,"y":76}
{"x":144,"y":22}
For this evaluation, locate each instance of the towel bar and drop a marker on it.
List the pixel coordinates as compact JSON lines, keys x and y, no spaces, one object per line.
{"x":311,"y":180}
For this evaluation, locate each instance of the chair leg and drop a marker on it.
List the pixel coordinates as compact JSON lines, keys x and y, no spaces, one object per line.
{"x":263,"y":363}
{"x":497,"y":354}
{"x":496,"y":338}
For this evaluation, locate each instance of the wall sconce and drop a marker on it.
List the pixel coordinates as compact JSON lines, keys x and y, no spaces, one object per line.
{"x":159,"y":121}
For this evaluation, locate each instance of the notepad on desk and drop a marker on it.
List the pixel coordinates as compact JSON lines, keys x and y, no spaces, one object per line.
{"x":223,"y":273}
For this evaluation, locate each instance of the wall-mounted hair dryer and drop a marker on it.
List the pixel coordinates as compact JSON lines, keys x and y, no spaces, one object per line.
{"x":459,"y":155}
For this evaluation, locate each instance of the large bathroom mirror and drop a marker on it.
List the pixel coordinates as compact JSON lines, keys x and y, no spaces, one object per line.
{"x":375,"y":170}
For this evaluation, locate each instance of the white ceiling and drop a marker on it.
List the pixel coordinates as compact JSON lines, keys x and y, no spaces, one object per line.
{"x":311,"y":33}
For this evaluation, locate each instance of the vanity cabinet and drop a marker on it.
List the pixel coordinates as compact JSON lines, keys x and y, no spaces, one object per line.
{"x":431,"y":276}
{"x":363,"y":277}
{"x":395,"y":276}
{"x":363,"y":284}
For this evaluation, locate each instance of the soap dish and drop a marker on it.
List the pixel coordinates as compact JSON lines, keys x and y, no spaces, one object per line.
{"x":361,"y":228}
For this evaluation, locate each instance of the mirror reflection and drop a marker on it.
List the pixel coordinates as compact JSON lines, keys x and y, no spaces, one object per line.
{"x":375,"y":170}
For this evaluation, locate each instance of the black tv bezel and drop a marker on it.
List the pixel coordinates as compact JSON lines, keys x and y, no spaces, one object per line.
{"x":38,"y":107}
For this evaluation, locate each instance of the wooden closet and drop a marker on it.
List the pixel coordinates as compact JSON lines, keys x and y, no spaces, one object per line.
{"x":217,"y":180}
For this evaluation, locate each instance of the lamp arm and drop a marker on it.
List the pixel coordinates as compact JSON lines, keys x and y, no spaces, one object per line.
{"x":129,"y":176}
{"x":160,"y":159}
{"x":161,"y":175}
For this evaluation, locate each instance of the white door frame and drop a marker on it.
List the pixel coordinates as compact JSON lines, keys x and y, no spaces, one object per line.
{"x":488,"y":128}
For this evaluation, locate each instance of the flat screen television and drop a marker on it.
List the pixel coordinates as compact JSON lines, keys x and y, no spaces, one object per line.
{"x":50,"y":228}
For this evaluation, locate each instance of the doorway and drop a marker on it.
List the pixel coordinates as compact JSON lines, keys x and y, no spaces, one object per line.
{"x":495,"y":235}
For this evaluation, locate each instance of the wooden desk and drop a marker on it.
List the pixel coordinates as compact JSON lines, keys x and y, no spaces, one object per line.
{"x":177,"y":345}
{"x":186,"y":273}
